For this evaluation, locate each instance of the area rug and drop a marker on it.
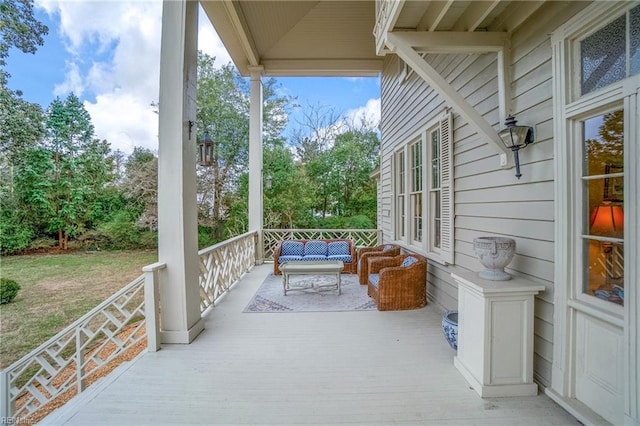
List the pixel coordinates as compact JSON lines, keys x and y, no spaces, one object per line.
{"x":270,"y":297}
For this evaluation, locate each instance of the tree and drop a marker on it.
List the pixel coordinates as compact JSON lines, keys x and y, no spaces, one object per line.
{"x":341,"y":175}
{"x":19,"y":29}
{"x":140,"y":186}
{"x":289,"y":199}
{"x":223,"y":114}
{"x":80,"y":167}
{"x":316,"y":131}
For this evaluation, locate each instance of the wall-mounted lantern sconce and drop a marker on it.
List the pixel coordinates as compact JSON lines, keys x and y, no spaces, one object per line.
{"x":268,"y":181}
{"x":205,"y":150}
{"x":515,"y":138}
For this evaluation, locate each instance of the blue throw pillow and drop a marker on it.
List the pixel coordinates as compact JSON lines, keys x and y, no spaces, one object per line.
{"x":338,"y":248}
{"x":408,"y":261}
{"x":315,"y":248}
{"x":387,"y":247}
{"x":374,"y":279}
{"x":292,"y":248}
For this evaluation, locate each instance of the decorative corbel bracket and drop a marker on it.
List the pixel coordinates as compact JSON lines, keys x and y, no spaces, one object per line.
{"x":407,"y":45}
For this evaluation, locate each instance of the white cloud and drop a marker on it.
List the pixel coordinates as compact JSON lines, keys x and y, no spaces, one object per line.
{"x":137,"y":126}
{"x":209,"y":42}
{"x":72,"y":82}
{"x":114,"y":49}
{"x":367,"y":116}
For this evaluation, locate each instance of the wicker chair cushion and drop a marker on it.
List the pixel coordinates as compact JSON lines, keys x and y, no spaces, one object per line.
{"x":292,"y":248}
{"x":338,"y":248}
{"x":315,"y":248}
{"x":408,"y":261}
{"x":374,"y":279}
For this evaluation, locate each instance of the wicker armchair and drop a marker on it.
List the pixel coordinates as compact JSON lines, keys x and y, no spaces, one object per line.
{"x":366,"y":253}
{"x":397,"y":287}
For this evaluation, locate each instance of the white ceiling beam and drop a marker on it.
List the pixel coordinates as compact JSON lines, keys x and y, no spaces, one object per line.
{"x":452,"y":42}
{"x":434,"y":15}
{"x":475,"y":14}
{"x":454,"y":99}
{"x":239,"y":23}
{"x":323,"y":67}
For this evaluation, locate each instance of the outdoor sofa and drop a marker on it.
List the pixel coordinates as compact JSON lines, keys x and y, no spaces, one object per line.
{"x":316,"y":250}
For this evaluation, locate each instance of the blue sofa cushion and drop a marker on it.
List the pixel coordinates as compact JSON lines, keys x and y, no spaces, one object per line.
{"x":292,"y":248}
{"x":283,"y":259}
{"x":314,"y":257}
{"x":315,"y":248}
{"x":374,"y":279}
{"x":387,"y":247}
{"x":408,"y":261}
{"x":341,"y":257}
{"x":338,"y":248}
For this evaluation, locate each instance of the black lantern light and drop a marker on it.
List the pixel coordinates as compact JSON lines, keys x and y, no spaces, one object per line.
{"x":515,"y":138}
{"x":205,"y":150}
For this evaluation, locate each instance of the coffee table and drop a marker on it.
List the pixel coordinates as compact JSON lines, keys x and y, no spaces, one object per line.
{"x":308,"y":268}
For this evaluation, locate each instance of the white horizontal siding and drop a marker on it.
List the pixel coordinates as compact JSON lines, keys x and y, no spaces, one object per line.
{"x":488,"y":199}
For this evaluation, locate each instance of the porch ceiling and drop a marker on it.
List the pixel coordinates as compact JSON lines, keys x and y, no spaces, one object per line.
{"x":298,"y":37}
{"x":324,"y":38}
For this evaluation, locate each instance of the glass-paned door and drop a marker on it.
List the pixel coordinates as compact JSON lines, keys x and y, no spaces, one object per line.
{"x":603,"y":206}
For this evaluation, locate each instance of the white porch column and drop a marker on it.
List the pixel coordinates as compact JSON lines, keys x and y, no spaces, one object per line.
{"x":177,"y":217}
{"x":256,"y":205}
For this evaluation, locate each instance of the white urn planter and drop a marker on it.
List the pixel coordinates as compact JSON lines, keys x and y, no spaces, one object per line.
{"x":494,"y":253}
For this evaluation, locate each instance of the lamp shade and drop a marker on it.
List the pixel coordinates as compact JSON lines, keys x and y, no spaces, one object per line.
{"x":607,"y":221}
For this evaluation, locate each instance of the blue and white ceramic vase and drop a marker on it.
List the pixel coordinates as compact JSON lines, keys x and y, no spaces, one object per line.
{"x":450,"y":328}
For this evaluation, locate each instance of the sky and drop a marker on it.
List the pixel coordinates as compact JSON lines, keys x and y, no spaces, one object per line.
{"x":108,"y":54}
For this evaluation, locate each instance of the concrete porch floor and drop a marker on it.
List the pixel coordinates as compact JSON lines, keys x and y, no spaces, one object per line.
{"x":301,"y":368}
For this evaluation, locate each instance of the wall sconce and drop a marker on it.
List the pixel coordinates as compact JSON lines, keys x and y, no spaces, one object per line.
{"x":515,"y":138}
{"x":268,"y":181}
{"x":205,"y":150}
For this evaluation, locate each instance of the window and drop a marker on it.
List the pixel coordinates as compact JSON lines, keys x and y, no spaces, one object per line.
{"x":434,"y":189}
{"x":400,"y":195}
{"x":606,"y":57}
{"x":415,"y":150}
{"x":424,"y":194}
{"x":603,"y":206}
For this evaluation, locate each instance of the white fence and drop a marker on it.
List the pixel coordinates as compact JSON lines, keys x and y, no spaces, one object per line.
{"x":361,"y":237}
{"x":223,"y":264}
{"x":70,"y":360}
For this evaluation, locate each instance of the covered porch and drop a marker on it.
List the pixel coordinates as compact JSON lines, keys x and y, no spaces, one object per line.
{"x":365,"y":367}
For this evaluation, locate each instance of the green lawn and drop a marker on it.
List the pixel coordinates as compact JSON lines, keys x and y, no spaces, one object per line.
{"x":56,"y":290}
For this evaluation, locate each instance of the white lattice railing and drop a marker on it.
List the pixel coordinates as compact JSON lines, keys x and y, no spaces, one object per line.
{"x":222,"y":264}
{"x":361,"y":237}
{"x":71,"y":360}
{"x":386,"y":13}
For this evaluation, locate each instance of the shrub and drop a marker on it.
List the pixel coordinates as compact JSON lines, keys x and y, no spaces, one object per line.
{"x":8,"y":290}
{"x":14,"y":237}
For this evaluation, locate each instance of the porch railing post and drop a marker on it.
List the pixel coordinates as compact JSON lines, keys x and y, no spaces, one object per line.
{"x":259,"y":247}
{"x":79,"y":361}
{"x":152,"y":304}
{"x":378,"y":237}
{"x":6,"y":406}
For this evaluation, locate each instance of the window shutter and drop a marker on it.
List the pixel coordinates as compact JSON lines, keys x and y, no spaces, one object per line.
{"x":446,"y":186}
